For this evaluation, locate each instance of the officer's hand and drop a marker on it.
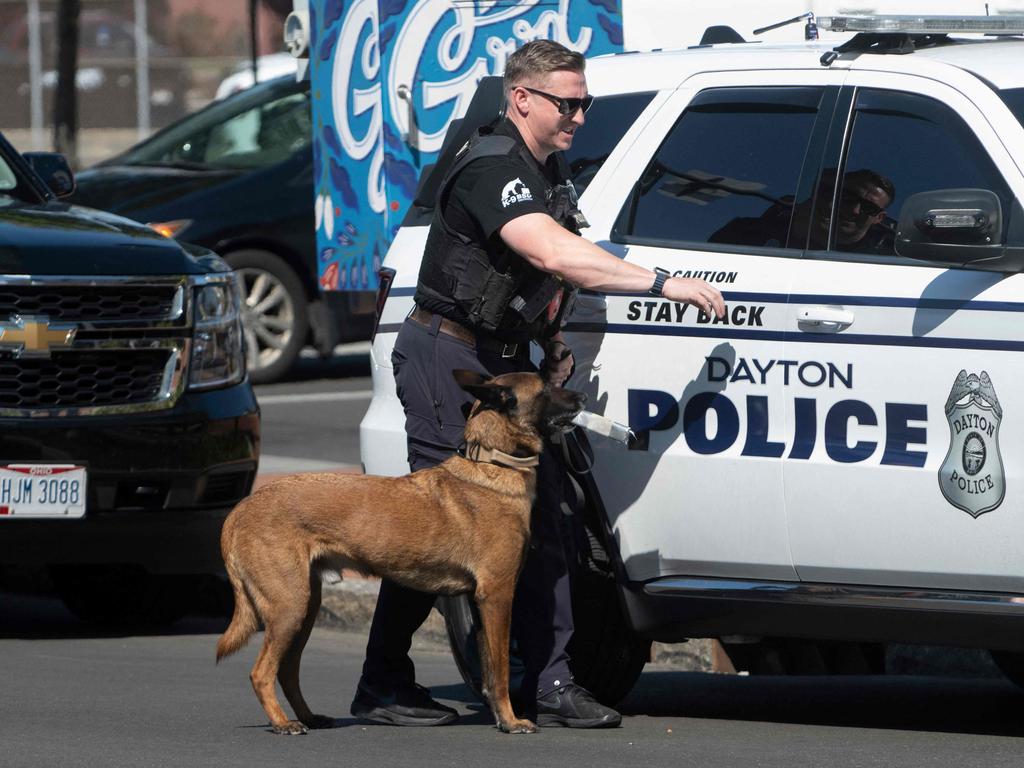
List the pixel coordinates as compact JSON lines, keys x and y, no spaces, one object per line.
{"x":558,"y":363}
{"x":697,"y":292}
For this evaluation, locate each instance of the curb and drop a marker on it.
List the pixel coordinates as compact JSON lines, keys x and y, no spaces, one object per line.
{"x":348,"y":606}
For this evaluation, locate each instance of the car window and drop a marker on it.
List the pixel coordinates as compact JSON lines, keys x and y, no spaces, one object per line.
{"x":1014,"y":98}
{"x":727,"y":172}
{"x":8,"y":180}
{"x":263,"y":135}
{"x":252,"y":129}
{"x":15,"y":185}
{"x":608,"y":119}
{"x":900,"y":144}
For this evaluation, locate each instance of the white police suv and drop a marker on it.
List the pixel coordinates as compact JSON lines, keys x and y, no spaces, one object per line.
{"x":842,"y":456}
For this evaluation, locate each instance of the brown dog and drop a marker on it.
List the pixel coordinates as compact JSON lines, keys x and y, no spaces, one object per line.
{"x":462,"y":526}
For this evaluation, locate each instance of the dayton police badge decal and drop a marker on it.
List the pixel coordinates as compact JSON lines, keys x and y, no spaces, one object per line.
{"x":971,"y":476}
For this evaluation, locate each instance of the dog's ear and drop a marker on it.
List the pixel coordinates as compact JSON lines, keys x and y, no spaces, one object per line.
{"x":467,"y":379}
{"x":479,"y":386}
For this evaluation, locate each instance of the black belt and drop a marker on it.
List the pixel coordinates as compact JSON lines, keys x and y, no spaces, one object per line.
{"x":456,"y":330}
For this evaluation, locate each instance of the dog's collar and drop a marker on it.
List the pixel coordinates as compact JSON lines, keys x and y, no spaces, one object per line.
{"x":476,"y":452}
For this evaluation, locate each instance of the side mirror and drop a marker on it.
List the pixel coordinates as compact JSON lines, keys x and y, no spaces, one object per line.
{"x":961,"y":227}
{"x":53,"y":169}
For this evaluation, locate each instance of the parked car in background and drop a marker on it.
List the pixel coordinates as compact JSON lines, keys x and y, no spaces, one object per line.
{"x":268,"y":67}
{"x":237,"y":177}
{"x":128,"y":428}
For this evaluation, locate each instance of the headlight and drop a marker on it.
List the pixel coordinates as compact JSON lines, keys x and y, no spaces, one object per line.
{"x":170,"y":229}
{"x":218,"y":359}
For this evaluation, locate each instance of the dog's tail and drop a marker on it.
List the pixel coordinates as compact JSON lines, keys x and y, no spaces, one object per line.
{"x":244,"y":621}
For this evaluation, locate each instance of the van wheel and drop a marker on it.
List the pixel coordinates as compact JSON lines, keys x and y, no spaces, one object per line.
{"x":121,"y":596}
{"x":606,"y":657}
{"x":275,"y":315}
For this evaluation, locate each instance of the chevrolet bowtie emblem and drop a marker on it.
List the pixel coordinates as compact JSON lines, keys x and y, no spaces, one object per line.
{"x":35,"y":335}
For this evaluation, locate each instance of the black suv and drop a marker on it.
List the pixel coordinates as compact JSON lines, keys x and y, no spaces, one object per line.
{"x":128,"y":427}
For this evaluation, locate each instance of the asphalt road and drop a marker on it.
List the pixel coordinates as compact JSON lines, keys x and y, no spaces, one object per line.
{"x":75,"y":698}
{"x":310,"y":422}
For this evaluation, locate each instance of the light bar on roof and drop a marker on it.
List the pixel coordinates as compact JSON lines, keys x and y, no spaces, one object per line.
{"x":925,"y":25}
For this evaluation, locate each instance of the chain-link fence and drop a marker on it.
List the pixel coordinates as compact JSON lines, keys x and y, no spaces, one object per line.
{"x":141,"y":65}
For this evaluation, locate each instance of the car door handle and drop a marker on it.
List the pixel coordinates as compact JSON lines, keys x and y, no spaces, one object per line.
{"x":590,"y":304}
{"x":412,"y":136}
{"x":824,"y":319}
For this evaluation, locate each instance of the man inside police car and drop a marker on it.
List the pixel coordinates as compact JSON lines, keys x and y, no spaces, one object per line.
{"x":502,"y":259}
{"x":861,"y":225}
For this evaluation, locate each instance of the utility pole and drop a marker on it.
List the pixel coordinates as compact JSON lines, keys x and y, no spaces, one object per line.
{"x":65,"y":123}
{"x":253,"y":39}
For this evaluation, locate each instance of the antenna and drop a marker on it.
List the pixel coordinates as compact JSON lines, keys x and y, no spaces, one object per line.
{"x":810,"y":29}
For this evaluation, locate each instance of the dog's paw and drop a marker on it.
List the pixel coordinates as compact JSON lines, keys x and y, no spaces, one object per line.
{"x":290,"y":728}
{"x":518,"y":726}
{"x":318,"y":722}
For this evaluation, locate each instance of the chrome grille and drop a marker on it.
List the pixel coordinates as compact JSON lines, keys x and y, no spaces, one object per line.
{"x":129,"y":353}
{"x":109,"y":302}
{"x":84,"y":379}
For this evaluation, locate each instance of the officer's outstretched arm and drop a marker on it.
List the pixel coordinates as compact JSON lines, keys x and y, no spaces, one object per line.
{"x":540,"y":240}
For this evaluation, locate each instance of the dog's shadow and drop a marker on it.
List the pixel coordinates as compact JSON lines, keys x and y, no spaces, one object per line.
{"x":472,"y":712}
{"x":478,"y":715}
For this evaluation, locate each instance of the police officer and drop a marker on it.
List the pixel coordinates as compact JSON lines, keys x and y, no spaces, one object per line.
{"x":501,"y":261}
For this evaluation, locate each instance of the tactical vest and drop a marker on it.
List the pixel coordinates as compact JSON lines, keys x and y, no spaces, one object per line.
{"x":499,"y":293}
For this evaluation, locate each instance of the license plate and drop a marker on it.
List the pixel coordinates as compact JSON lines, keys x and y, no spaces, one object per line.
{"x":42,"y":490}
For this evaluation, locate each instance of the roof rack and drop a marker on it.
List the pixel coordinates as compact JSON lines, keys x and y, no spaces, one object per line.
{"x":889,"y":42}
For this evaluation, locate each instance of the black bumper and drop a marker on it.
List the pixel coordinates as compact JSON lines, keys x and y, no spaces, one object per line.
{"x":158,"y":485}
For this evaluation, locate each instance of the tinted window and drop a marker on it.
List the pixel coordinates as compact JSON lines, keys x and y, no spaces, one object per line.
{"x":1014,"y":98}
{"x":900,"y":144}
{"x":265,"y":134}
{"x":607,"y":121}
{"x":8,"y":180}
{"x":14,"y":184}
{"x":728,"y":171}
{"x":252,"y":129}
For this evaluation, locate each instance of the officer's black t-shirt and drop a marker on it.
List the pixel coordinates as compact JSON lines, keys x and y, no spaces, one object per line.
{"x":492,"y":191}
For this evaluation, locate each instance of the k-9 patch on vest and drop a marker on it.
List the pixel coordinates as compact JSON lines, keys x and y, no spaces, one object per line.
{"x":971,"y":476}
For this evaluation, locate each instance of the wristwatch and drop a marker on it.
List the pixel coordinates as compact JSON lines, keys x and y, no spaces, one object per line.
{"x":660,"y":276}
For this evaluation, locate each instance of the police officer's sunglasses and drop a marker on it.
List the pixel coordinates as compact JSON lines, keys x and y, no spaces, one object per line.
{"x":565,"y":106}
{"x":850,"y":200}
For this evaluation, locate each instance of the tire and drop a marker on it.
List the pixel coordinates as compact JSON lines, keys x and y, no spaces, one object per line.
{"x":462,"y":624}
{"x":122,"y":596}
{"x":606,"y":657}
{"x":275,"y":313}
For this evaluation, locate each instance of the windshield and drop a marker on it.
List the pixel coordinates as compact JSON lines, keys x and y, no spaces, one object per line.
{"x":8,"y":180}
{"x":15,"y":185}
{"x":1014,"y":98}
{"x":253,"y":129}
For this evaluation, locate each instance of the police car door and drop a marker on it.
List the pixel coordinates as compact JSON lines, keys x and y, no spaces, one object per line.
{"x":700,"y":493}
{"x":906,"y":437}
